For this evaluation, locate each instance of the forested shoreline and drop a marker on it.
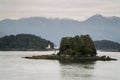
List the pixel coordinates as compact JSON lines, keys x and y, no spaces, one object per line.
{"x":24,"y":42}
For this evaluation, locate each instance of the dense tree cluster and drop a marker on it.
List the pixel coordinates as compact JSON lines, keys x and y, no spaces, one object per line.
{"x":24,"y":42}
{"x":77,"y":46}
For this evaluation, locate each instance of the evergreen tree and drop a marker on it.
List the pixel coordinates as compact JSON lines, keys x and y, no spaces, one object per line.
{"x":77,"y":46}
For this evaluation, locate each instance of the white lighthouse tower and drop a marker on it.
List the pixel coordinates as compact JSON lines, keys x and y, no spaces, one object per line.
{"x":48,"y":47}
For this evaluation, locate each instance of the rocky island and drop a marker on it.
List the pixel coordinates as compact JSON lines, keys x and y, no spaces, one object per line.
{"x":76,"y":48}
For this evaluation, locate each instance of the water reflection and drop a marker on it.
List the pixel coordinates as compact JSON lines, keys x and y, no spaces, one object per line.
{"x":76,"y":62}
{"x":13,"y":67}
{"x":77,"y":70}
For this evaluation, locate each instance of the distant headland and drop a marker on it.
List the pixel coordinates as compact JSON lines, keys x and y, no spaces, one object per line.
{"x":76,"y":48}
{"x":107,"y":45}
{"x":24,"y":42}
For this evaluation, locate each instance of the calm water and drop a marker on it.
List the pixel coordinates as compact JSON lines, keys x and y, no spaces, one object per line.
{"x":13,"y":67}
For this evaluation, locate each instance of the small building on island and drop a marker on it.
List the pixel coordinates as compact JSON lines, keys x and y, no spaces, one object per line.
{"x":48,"y":47}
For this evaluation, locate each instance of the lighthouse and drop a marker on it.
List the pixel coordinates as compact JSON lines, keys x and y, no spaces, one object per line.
{"x":48,"y":47}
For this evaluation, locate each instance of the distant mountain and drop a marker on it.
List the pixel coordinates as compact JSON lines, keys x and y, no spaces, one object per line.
{"x":97,"y":26}
{"x":107,"y":45}
{"x":24,"y":42}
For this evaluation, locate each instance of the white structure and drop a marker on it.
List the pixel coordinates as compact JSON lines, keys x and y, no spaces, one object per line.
{"x":48,"y":47}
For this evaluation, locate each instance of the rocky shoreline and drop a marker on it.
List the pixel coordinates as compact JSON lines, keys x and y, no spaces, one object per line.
{"x":71,"y":58}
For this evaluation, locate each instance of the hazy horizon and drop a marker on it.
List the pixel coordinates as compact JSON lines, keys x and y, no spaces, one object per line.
{"x":71,"y":9}
{"x":58,"y":17}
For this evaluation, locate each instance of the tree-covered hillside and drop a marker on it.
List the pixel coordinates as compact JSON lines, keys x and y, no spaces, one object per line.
{"x":24,"y":42}
{"x":107,"y":45}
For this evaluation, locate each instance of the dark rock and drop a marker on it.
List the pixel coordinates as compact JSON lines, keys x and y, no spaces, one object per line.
{"x":71,"y":58}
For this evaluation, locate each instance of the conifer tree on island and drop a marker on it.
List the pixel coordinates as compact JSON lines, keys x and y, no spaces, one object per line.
{"x":77,"y":46}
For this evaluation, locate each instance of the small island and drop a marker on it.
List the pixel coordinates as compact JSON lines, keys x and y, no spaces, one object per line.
{"x":76,"y":48}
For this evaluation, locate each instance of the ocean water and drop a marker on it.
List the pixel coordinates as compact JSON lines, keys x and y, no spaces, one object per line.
{"x":14,"y":67}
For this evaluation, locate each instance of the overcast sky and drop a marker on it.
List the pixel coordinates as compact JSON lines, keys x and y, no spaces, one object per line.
{"x":75,"y":9}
